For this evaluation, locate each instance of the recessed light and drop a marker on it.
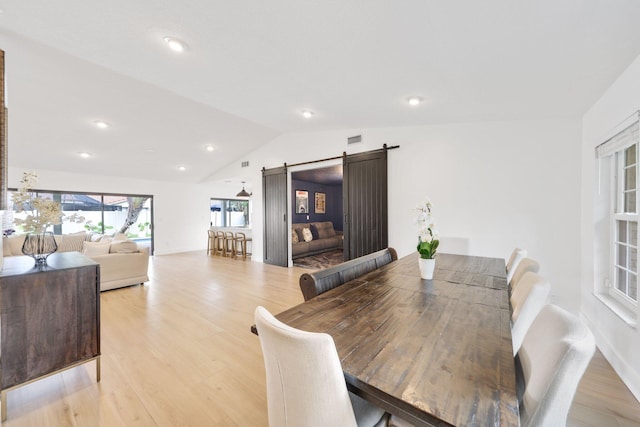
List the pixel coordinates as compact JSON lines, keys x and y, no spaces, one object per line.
{"x":175,"y":44}
{"x":84,"y":155}
{"x":414,"y":100}
{"x":210,"y":148}
{"x":101,"y":124}
{"x":182,"y":168}
{"x":307,"y":114}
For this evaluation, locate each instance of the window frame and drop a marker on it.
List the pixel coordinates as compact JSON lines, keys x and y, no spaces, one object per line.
{"x":226,"y":218}
{"x":619,"y":215}
{"x":102,"y":196}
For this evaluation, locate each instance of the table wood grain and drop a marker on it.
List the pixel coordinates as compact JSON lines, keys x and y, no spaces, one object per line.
{"x":435,"y":352}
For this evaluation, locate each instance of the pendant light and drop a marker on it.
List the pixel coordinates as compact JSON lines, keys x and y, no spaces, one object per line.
{"x":243,"y":193}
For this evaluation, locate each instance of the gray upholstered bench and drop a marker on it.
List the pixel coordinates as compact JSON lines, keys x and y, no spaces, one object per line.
{"x":313,"y":284}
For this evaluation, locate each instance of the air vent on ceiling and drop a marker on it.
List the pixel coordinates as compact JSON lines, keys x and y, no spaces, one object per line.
{"x":245,"y":164}
{"x":354,"y":139}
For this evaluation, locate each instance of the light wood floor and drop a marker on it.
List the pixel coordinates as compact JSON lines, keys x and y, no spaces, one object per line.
{"x":178,"y":352}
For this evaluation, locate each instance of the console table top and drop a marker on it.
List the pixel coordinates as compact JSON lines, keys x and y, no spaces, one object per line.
{"x":18,"y":265}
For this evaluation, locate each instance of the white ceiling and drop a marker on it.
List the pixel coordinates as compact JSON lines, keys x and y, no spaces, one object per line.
{"x":252,"y":66}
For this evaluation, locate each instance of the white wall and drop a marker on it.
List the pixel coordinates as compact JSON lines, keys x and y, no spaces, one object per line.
{"x":181,"y":211}
{"x":619,"y":342}
{"x":500,"y":185}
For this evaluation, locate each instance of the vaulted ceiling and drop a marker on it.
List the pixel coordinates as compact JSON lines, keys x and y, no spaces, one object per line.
{"x":251,"y":67}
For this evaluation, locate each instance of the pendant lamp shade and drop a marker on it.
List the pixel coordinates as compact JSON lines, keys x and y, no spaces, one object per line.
{"x":243,"y":193}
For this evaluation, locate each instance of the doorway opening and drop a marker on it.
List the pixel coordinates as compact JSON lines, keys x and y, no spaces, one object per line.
{"x":316,"y":212}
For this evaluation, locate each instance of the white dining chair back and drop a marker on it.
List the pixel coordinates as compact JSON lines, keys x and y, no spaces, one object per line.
{"x":305,"y":382}
{"x":517,"y":255}
{"x":524,"y":266}
{"x":526,"y":302}
{"x":554,"y":355}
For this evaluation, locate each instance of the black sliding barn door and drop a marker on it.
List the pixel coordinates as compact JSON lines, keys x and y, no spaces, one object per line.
{"x":276,"y":242}
{"x":365,"y":203}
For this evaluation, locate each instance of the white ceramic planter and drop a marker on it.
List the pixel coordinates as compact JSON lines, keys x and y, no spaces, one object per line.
{"x":427,"y":267}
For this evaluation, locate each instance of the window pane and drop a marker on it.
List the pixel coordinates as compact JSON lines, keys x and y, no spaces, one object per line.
{"x":633,"y":233}
{"x":630,"y":178}
{"x":87,"y":206}
{"x":633,"y":259}
{"x":630,"y":202}
{"x":621,"y":283}
{"x":622,"y":256}
{"x":633,"y":287}
{"x":622,"y":231}
{"x":630,"y":155}
{"x":229,"y":213}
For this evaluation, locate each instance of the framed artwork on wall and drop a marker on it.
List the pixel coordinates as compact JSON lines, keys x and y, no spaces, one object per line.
{"x":321,"y":203}
{"x":302,"y":202}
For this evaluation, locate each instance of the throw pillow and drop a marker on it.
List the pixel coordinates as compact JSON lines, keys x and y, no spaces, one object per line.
{"x":314,"y":232}
{"x":120,"y":236}
{"x":123,"y":247}
{"x":95,"y":248}
{"x":299,"y":233}
{"x":294,"y":236}
{"x":306,"y":234}
{"x":71,"y":242}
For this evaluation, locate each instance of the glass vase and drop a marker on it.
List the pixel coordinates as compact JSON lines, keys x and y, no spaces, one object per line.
{"x":39,"y":246}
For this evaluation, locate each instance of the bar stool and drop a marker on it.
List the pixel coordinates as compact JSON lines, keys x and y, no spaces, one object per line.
{"x":241,"y":244}
{"x":218,"y":243}
{"x":229,"y":244}
{"x":211,"y":241}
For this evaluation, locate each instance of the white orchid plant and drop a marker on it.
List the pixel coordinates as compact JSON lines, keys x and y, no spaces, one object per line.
{"x":41,"y":212}
{"x":427,"y":234}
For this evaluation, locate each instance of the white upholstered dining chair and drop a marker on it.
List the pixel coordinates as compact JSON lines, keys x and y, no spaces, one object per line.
{"x":517,"y":255}
{"x":527,"y":300}
{"x":524,"y":266}
{"x":554,"y":355}
{"x":305,"y":382}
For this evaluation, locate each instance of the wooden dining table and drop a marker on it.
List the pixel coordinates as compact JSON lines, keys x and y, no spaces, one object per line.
{"x":433,"y":352}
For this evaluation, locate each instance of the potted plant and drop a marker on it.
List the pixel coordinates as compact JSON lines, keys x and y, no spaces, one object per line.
{"x":427,"y":239}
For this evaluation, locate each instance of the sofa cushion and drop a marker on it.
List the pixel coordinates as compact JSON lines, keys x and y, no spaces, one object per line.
{"x":94,"y":237}
{"x":306,"y":235}
{"x":314,"y":231}
{"x":71,"y":242}
{"x":123,"y":247}
{"x":326,"y":232}
{"x":299,"y":249}
{"x":95,"y":248}
{"x":294,"y":237}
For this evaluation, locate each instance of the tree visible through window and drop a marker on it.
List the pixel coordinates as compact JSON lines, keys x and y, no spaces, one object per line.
{"x":104,"y":214}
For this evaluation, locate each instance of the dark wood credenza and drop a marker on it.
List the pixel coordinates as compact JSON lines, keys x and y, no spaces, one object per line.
{"x":49,"y":318}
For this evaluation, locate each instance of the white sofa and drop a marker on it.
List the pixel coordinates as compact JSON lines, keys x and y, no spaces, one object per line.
{"x":122,"y":262}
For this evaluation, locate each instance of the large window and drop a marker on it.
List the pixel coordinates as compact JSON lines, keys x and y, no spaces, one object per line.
{"x":625,"y":225}
{"x":229,"y":213}
{"x":102,"y":213}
